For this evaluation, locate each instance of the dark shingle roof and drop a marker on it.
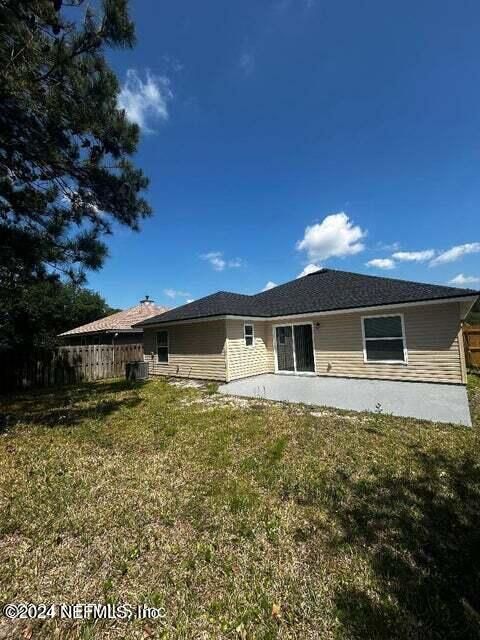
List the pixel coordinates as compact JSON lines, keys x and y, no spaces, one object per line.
{"x":324,"y":290}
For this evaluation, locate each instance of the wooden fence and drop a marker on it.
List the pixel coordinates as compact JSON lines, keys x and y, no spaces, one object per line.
{"x":471,"y":339}
{"x":64,"y":365}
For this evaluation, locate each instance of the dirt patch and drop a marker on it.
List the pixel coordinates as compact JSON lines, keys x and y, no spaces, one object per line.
{"x":187,"y":383}
{"x":333,"y":414}
{"x":217,"y":400}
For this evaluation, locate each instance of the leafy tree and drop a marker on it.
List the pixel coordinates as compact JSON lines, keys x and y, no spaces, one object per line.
{"x":38,"y":312}
{"x":65,"y":172}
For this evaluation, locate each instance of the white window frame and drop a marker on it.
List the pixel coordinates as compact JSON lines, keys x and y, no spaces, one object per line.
{"x":249,"y":324}
{"x":162,"y":345}
{"x":403,"y":338}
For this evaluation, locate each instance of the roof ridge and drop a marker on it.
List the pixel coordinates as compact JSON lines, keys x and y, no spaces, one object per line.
{"x":234,"y":293}
{"x":378,"y":277}
{"x":314,"y":273}
{"x":283,"y":284}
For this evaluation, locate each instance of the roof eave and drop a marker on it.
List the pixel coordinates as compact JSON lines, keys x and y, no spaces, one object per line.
{"x":216,"y":316}
{"x":224,"y":316}
{"x":73,"y":332}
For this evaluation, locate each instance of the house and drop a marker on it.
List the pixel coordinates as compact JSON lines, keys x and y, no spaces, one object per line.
{"x":116,"y":329}
{"x":329,"y":323}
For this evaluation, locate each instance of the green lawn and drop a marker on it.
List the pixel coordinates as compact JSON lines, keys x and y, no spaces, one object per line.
{"x":244,"y":519}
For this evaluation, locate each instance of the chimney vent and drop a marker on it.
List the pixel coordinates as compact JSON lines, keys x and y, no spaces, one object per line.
{"x":146,"y":300}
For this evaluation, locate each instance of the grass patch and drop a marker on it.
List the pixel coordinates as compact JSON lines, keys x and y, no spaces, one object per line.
{"x":242,"y":521}
{"x":211,"y":388}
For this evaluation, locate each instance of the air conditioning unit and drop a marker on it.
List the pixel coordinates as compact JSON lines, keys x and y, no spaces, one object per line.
{"x":137,"y":370}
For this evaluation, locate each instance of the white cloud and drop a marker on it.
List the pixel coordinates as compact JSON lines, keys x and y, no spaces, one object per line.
{"x":455,"y":253}
{"x":247,"y":62}
{"x":335,"y":236}
{"x":281,"y":6}
{"x":173,"y":293}
{"x":218,"y":262}
{"x":381,"y":263}
{"x":310,"y":268}
{"x":385,"y":246}
{"x":463,"y":281}
{"x":269,"y":285}
{"x":190,"y":300}
{"x":414,"y":256}
{"x":215,"y":259}
{"x":144,"y":100}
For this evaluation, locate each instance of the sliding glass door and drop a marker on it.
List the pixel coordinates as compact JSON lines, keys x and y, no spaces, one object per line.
{"x":285,"y":359}
{"x":294,"y":346}
{"x":304,"y":347}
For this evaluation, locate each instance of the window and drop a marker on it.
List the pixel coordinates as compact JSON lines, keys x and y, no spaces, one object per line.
{"x":249,"y":335}
{"x":384,"y":339}
{"x":162,"y":346}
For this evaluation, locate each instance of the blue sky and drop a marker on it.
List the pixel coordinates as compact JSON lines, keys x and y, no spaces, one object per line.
{"x":283,"y":133}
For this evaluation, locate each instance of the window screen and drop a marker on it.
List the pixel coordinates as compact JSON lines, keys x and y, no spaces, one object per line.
{"x":162,"y":346}
{"x":384,"y":339}
{"x":386,"y":327}
{"x":248,"y":332}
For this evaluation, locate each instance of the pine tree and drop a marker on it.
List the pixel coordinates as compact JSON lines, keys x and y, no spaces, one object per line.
{"x":65,"y":146}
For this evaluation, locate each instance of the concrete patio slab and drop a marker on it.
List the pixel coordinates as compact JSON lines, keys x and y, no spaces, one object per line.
{"x":436,"y":402}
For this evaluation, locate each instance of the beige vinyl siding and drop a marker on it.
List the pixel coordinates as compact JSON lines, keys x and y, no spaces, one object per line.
{"x":196,"y":350}
{"x":216,"y":350}
{"x":431,"y":334}
{"x":243,"y":361}
{"x":269,"y":344}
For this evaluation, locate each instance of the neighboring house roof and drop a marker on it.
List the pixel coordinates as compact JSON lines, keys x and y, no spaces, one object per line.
{"x":324,"y":290}
{"x":121,"y":321}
